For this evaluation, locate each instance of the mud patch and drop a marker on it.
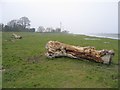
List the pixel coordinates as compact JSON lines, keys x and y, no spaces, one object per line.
{"x":2,"y":69}
{"x":106,"y":42}
{"x":34,"y":59}
{"x":92,"y":39}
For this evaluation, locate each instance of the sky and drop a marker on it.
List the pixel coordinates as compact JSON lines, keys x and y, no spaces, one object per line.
{"x":76,"y":16}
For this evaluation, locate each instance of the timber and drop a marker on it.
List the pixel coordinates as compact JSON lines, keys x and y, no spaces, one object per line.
{"x":58,"y":49}
{"x":16,"y":36}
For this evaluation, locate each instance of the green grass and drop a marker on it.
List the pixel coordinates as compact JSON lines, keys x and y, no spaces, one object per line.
{"x":26,"y":66}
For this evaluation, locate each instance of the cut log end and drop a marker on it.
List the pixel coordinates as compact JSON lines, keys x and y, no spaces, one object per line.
{"x":58,"y":49}
{"x":107,"y":59}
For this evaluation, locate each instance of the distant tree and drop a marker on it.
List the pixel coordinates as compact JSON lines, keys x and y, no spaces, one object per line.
{"x":32,"y":29}
{"x":1,"y":26}
{"x":65,"y":31}
{"x":58,"y":30}
{"x":12,"y":23}
{"x":53,"y":30}
{"x":41,"y":29}
{"x":7,"y":28}
{"x":48,"y":29}
{"x":24,"y":21}
{"x":21,"y":24}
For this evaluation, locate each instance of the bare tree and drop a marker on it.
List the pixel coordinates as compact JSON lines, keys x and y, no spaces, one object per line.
{"x":41,"y":29}
{"x":24,"y":21}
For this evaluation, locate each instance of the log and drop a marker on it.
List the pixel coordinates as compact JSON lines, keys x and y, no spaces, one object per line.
{"x":16,"y":36}
{"x":58,"y":49}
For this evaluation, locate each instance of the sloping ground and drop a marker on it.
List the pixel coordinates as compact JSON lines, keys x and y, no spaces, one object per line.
{"x":26,"y":66}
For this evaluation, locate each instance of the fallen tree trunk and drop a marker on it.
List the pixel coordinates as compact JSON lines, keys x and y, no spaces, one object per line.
{"x":16,"y":36}
{"x":58,"y":49}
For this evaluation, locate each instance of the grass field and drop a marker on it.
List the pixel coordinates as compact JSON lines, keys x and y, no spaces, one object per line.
{"x":26,"y":66}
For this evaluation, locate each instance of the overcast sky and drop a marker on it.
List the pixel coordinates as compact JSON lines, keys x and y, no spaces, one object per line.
{"x":77,"y":16}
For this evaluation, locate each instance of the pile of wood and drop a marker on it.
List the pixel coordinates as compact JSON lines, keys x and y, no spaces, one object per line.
{"x":58,"y":49}
{"x":16,"y":36}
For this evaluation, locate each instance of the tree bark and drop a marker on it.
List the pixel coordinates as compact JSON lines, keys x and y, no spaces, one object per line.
{"x":58,"y":49}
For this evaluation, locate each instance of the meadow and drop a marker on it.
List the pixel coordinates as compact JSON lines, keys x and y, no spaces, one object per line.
{"x":26,"y":65}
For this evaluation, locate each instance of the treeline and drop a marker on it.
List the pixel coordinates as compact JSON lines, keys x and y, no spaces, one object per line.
{"x":18,"y":25}
{"x":42,"y":29}
{"x":23,"y":25}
